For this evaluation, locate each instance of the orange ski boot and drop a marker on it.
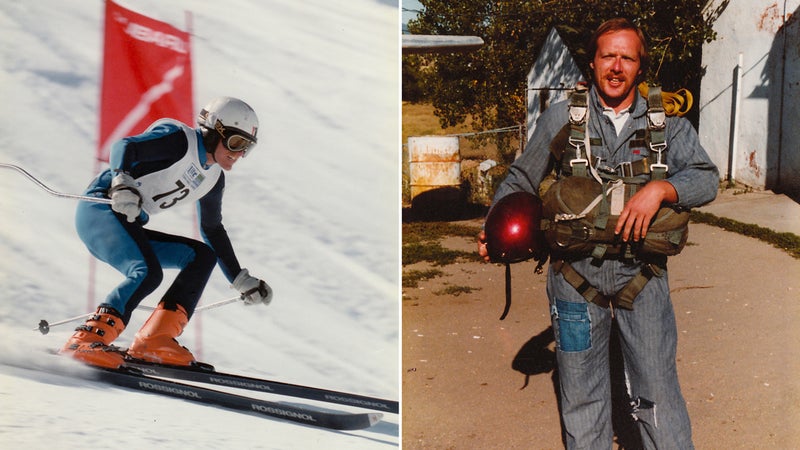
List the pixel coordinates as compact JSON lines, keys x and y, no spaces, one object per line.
{"x":155,"y":341}
{"x":91,"y":342}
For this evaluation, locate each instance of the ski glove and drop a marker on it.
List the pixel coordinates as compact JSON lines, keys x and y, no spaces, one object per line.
{"x":125,"y":199}
{"x":253,"y":290}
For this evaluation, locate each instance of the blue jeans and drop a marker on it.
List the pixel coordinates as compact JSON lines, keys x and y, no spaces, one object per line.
{"x":141,"y":254}
{"x":648,"y":341}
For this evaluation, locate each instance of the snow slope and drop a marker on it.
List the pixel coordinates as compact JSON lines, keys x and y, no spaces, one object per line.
{"x":313,"y":210}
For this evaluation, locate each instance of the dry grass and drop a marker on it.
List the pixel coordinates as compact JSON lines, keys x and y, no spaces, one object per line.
{"x":419,"y":120}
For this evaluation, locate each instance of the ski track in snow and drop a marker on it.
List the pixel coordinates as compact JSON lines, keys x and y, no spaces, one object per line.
{"x":313,"y":210}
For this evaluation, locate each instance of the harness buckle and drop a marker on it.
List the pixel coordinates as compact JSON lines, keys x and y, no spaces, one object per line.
{"x":658,"y":147}
{"x":625,"y":169}
{"x":575,"y":142}
{"x":580,"y":234}
{"x":657,"y":118}
{"x":608,"y":170}
{"x":573,"y":162}
{"x":577,"y":114}
{"x":654,"y":167}
{"x":565,"y":216}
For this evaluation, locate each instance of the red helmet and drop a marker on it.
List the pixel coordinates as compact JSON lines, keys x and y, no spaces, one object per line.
{"x":513,"y":230}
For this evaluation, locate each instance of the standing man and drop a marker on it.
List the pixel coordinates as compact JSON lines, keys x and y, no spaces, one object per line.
{"x":170,"y":164}
{"x":617,"y":120}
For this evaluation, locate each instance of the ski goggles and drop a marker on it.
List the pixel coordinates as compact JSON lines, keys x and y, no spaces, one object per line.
{"x":237,"y":143}
{"x":234,"y":139}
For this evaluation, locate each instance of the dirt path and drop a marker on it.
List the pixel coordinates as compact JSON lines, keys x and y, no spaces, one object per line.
{"x":471,"y":381}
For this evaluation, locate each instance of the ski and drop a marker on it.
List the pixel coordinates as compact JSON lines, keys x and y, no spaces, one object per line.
{"x":133,"y":379}
{"x":204,"y":373}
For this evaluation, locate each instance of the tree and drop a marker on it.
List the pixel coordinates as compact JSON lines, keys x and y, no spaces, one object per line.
{"x":490,"y":84}
{"x":412,"y":86}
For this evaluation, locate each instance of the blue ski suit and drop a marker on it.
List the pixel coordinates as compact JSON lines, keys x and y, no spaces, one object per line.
{"x":168,"y":162}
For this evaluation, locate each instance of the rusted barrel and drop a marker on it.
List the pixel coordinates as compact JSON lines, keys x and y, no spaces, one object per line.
{"x":434,"y":164}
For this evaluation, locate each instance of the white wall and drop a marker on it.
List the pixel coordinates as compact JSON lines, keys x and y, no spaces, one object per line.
{"x":553,"y":72}
{"x":767,"y":140}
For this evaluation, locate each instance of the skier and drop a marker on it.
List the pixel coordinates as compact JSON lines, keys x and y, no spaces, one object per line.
{"x":169,"y":164}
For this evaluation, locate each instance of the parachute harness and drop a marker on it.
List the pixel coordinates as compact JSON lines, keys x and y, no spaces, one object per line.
{"x":579,"y":145}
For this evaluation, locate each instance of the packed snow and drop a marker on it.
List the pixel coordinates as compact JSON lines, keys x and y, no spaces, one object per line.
{"x":313,"y":210}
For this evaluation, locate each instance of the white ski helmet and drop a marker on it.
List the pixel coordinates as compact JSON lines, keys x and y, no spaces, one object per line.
{"x":234,"y":120}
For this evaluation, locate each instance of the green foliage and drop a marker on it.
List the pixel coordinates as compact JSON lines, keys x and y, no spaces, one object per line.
{"x":412,"y":278}
{"x":432,"y":252}
{"x":490,"y":84}
{"x":788,"y":242}
{"x":429,"y":231}
{"x":412,"y":83}
{"x":421,"y":243}
{"x":455,"y":291}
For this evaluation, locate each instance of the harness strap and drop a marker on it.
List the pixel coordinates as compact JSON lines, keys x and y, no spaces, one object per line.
{"x":623,"y":299}
{"x":580,"y":284}
{"x":626,"y":170}
{"x":578,"y":113}
{"x":657,"y":132}
{"x":579,"y":143}
{"x":626,"y":296}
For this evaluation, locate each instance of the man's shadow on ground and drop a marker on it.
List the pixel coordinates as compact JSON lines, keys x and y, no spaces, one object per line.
{"x":536,"y":357}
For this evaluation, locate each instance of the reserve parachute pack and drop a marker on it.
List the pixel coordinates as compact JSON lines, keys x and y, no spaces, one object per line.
{"x":581,"y":209}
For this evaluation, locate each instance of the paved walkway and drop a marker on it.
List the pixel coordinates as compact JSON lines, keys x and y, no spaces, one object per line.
{"x":764,"y":208}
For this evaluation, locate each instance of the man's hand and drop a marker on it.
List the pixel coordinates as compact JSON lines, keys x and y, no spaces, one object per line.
{"x":252,"y":289}
{"x":642,"y":207}
{"x":125,"y":199}
{"x":482,"y":251}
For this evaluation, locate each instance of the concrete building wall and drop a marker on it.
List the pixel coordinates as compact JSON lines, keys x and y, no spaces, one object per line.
{"x":753,"y":137}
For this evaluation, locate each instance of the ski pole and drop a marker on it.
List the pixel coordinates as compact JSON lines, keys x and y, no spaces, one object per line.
{"x":51,"y":191}
{"x":219,"y":303}
{"x":44,"y":325}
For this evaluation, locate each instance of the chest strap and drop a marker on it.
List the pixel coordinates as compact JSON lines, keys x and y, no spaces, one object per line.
{"x":622,"y":299}
{"x":577,"y":150}
{"x":657,"y":132}
{"x":577,"y":144}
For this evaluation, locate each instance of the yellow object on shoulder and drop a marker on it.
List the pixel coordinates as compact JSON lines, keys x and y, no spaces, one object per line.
{"x":675,"y":103}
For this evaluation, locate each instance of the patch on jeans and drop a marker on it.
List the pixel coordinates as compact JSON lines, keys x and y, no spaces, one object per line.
{"x":573,"y":329}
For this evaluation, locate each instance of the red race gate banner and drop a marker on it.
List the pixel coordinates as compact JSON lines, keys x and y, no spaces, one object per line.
{"x":147,"y":75}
